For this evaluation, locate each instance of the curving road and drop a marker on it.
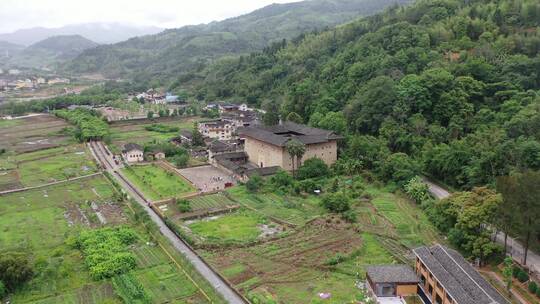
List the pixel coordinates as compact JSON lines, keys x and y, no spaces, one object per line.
{"x":514,"y":248}
{"x":230,"y":295}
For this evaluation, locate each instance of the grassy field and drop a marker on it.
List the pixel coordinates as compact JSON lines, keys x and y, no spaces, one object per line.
{"x":35,"y":221}
{"x":136,"y":133}
{"x":241,"y":226}
{"x":157,"y":183}
{"x":45,"y":166}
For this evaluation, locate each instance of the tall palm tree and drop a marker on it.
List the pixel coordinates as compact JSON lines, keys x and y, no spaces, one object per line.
{"x":296,"y":150}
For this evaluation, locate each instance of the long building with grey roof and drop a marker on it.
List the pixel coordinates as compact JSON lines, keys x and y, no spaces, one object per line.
{"x":447,"y":278}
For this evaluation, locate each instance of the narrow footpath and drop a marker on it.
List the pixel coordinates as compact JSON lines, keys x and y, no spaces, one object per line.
{"x":229,"y":294}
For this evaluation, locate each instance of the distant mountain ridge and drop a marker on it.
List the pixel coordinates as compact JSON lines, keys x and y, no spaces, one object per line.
{"x":99,"y":32}
{"x":9,"y":49}
{"x":62,"y":46}
{"x":179,"y":50}
{"x":50,"y":51}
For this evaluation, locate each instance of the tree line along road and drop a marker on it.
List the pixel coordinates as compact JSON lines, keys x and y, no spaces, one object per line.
{"x":515,"y":249}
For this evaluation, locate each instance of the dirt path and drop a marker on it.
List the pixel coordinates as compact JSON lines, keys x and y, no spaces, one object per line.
{"x":49,"y":184}
{"x":501,"y":283}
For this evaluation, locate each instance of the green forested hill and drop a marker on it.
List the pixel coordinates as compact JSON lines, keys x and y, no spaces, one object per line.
{"x":179,"y":50}
{"x":445,"y":87}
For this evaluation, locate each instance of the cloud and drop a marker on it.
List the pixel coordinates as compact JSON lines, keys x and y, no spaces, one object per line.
{"x":16,"y":14}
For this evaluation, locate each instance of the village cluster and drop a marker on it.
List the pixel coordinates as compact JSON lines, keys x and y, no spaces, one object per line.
{"x":16,"y":80}
{"x":240,"y":145}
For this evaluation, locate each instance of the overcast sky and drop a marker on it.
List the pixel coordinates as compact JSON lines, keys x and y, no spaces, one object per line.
{"x":17,"y":14}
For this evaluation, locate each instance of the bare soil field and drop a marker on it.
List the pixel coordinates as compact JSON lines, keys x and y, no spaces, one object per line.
{"x":32,"y":133}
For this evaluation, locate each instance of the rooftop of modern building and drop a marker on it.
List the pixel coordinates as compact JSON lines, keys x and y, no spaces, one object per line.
{"x":392,"y":274}
{"x":457,"y":276}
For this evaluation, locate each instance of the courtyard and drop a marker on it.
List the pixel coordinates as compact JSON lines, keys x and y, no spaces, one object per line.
{"x":208,"y":178}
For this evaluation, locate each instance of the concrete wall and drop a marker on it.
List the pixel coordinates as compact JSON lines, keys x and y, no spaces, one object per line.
{"x":266,"y":155}
{"x":406,"y":290}
{"x":263,"y":154}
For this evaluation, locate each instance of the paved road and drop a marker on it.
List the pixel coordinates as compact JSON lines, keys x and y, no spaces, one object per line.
{"x":515,"y":249}
{"x":219,"y":285}
{"x":437,"y":191}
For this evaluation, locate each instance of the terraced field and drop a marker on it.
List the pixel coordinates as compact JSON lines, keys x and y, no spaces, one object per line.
{"x":211,"y":201}
{"x":295,"y":269}
{"x":324,"y":254}
{"x":410,"y":224}
{"x":293,"y":209}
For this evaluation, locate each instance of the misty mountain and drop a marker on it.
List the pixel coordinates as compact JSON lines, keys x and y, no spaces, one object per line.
{"x":178,"y":50}
{"x":99,"y":32}
{"x":9,"y":49}
{"x":51,"y":51}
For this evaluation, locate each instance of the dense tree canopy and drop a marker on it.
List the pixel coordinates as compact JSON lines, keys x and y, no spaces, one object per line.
{"x":454,"y":85}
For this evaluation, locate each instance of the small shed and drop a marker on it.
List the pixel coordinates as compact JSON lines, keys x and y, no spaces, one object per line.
{"x":133,"y":153}
{"x":156,"y":155}
{"x":392,"y":280}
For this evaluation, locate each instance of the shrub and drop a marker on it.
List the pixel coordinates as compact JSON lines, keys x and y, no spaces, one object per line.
{"x":522,"y":276}
{"x":184,"y":205}
{"x":309,"y":185}
{"x":338,"y":258}
{"x":515,"y":271}
{"x":15,"y":269}
{"x":532,"y":287}
{"x":336,"y":202}
{"x":282,"y":180}
{"x":312,"y":168}
{"x":417,"y":190}
{"x":180,"y":161}
{"x":538,"y":292}
{"x":349,"y":216}
{"x":161,"y":128}
{"x":105,"y":251}
{"x":254,"y":183}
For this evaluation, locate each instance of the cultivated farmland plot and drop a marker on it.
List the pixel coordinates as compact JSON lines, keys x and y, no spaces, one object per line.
{"x":39,"y":167}
{"x":33,"y":133}
{"x":42,"y":221}
{"x":324,"y":254}
{"x":136,"y":133}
